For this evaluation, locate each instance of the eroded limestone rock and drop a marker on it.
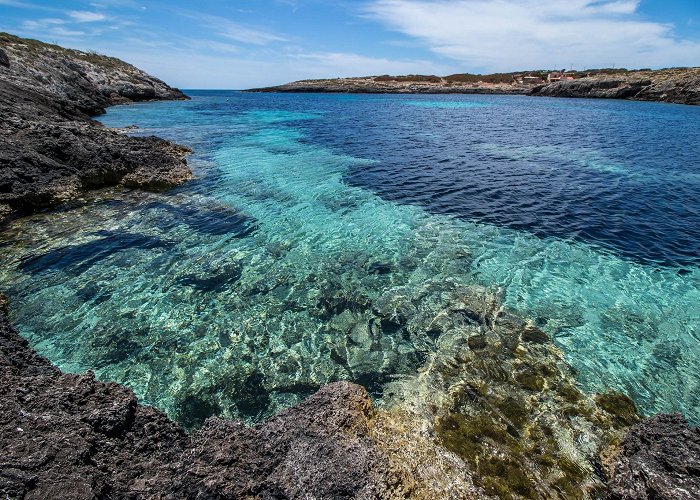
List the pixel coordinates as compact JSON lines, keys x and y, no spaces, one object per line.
{"x":50,"y":150}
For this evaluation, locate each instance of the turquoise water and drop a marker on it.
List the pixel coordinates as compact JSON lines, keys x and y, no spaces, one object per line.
{"x":242,"y":292}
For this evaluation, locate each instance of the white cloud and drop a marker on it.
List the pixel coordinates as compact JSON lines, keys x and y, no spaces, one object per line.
{"x":232,"y":30}
{"x":341,"y":64}
{"x":84,"y":16}
{"x":63,"y":32}
{"x":41,"y":24}
{"x":507,"y":35}
{"x":25,"y":5}
{"x":212,"y":46}
{"x":240,"y":33}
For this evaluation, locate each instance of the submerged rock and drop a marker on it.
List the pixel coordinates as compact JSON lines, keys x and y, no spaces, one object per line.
{"x":505,"y":406}
{"x":4,"y":305}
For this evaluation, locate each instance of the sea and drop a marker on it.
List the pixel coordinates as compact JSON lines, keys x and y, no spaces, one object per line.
{"x":243,"y":291}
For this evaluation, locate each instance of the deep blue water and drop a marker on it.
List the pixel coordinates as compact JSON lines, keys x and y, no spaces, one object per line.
{"x":234,"y":293}
{"x":625,"y":176}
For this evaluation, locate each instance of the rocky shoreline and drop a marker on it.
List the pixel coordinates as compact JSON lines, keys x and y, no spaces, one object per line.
{"x":50,"y":148}
{"x":71,"y":436}
{"x":397,"y":85}
{"x":681,"y":86}
{"x":513,"y":428}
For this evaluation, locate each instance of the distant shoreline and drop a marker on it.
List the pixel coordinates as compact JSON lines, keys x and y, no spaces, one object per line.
{"x":676,"y":85}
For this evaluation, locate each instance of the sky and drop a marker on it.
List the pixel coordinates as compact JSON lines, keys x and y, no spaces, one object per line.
{"x":250,"y":43}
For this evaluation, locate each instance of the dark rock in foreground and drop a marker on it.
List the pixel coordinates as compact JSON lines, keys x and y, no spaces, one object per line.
{"x":660,"y":459}
{"x":50,"y":150}
{"x":70,"y":436}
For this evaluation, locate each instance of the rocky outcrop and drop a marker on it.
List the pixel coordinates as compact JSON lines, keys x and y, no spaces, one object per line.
{"x":4,"y":60}
{"x":659,"y":459}
{"x":70,"y":436}
{"x":681,"y":86}
{"x":50,"y":150}
{"x":89,"y":81}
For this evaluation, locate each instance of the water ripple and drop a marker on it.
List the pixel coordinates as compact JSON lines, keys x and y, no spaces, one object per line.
{"x":325,"y":236}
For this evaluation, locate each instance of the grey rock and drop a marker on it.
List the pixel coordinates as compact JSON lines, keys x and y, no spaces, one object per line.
{"x":4,"y":60}
{"x":319,"y":449}
{"x":50,"y":149}
{"x":659,"y":459}
{"x":680,"y":86}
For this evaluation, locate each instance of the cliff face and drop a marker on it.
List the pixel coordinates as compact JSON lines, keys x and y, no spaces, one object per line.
{"x":50,"y":150}
{"x":86,"y":81}
{"x":681,"y":86}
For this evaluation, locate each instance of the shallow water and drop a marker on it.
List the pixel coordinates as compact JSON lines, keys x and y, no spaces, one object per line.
{"x":245,"y":290}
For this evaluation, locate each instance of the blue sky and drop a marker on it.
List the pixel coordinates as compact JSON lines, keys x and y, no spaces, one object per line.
{"x":245,"y":43}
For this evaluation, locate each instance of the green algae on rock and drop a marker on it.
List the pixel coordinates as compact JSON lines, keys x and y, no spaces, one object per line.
{"x":509,"y":409}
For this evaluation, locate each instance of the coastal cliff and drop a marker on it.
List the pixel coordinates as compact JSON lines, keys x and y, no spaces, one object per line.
{"x":680,"y":85}
{"x":50,"y":148}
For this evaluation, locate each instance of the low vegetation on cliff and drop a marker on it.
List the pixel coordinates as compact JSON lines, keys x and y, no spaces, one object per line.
{"x":50,"y":149}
